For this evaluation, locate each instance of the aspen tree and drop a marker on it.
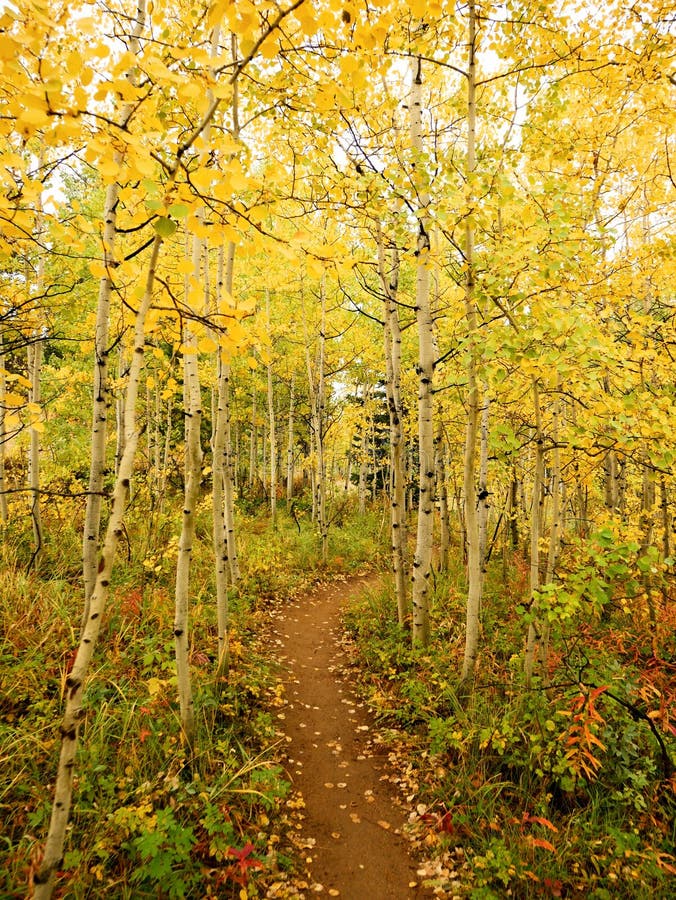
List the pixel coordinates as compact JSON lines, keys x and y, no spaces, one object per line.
{"x":317,"y":384}
{"x":218,"y":495}
{"x":223,"y":372}
{"x":222,"y":491}
{"x":34,"y":373}
{"x":4,"y":507}
{"x":483,"y":496}
{"x":272,"y":427}
{"x":229,"y":461}
{"x":473,"y":399}
{"x":101,"y":386}
{"x":192,"y":474}
{"x":291,"y":442}
{"x":442,"y":494}
{"x":535,"y":625}
{"x":75,"y":681}
{"x":389,"y":278}
{"x":555,"y":528}
{"x":422,"y":560}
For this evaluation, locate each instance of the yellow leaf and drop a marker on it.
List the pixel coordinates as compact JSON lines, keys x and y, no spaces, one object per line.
{"x":38,"y":426}
{"x":13,"y":400}
{"x":109,"y":168}
{"x":185,"y":267}
{"x":74,"y":63}
{"x":202,"y":178}
{"x":207,"y":345}
{"x":97,"y":269}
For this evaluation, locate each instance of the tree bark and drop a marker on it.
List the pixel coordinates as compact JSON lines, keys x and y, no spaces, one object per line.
{"x":389,"y":278}
{"x":4,"y":506}
{"x":75,"y":681}
{"x":291,"y":443}
{"x":473,"y":398}
{"x":422,"y":561}
{"x":101,"y":392}
{"x":272,"y":430}
{"x":535,"y":626}
{"x":34,"y":368}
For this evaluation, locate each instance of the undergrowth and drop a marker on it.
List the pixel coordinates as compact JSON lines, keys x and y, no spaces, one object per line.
{"x":563,"y":789}
{"x":147,"y":821}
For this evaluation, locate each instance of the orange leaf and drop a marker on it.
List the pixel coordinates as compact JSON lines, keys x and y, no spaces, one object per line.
{"x":546,"y":845}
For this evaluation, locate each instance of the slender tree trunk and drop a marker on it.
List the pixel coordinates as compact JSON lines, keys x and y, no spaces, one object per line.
{"x":389,"y":277}
{"x":535,"y":627}
{"x":272,"y":426}
{"x":442,"y":494}
{"x":317,"y":388}
{"x":484,"y":496}
{"x":4,"y":506}
{"x":555,"y":531}
{"x":192,"y":475}
{"x":101,"y":393}
{"x":164,"y":469}
{"x":363,"y":472}
{"x":218,"y":498}
{"x":157,"y":439}
{"x":291,"y":443}
{"x":666,"y":519}
{"x":75,"y":681}
{"x":119,"y":413}
{"x":422,"y":561}
{"x":230,"y":462}
{"x":35,"y":367}
{"x":473,"y":398}
{"x":253,"y":443}
{"x":514,"y":510}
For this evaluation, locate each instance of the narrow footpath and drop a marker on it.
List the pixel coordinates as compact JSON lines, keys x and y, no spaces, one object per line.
{"x":356,"y":849}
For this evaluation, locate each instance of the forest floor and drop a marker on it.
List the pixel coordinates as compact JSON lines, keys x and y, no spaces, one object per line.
{"x":351,"y":820}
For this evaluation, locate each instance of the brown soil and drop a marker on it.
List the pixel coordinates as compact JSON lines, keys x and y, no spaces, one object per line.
{"x":352,"y":823}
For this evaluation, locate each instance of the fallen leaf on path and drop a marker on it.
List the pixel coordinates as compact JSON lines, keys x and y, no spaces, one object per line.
{"x":384,"y":824}
{"x":355,"y":818}
{"x":328,"y":784}
{"x":333,"y":892}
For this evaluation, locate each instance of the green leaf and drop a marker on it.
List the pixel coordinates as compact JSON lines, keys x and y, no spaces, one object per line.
{"x":178,"y":210}
{"x":165,"y":227}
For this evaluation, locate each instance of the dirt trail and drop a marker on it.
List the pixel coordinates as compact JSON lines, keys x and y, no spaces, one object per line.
{"x":359,"y":853}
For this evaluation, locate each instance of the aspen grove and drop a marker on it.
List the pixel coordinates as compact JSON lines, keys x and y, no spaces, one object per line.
{"x":292,"y":289}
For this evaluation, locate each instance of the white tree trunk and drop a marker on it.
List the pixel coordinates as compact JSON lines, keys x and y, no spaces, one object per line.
{"x":272,"y":426}
{"x":218,"y":498}
{"x":34,"y":367}
{"x":75,"y":681}
{"x":290,"y":444}
{"x":389,"y":278}
{"x":473,"y":399}
{"x":442,"y":494}
{"x":4,"y":506}
{"x":101,"y":393}
{"x":534,"y":628}
{"x":317,"y":388}
{"x":483,"y":496}
{"x":422,"y":561}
